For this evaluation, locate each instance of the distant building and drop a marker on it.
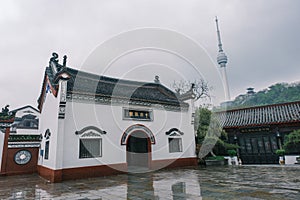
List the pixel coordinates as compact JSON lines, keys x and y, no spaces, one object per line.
{"x":19,"y":141}
{"x":260,"y":130}
{"x":250,"y":91}
{"x":26,"y":121}
{"x":95,"y":125}
{"x":239,"y":100}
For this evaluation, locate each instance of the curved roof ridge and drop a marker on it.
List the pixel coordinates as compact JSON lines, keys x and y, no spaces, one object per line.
{"x":83,"y":83}
{"x":107,"y":79}
{"x":260,"y":106}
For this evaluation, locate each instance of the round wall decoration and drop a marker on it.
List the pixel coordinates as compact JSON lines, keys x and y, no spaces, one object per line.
{"x":22,"y":157}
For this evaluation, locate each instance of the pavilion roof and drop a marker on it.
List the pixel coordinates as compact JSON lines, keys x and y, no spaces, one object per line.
{"x":260,"y":115}
{"x":106,"y":89}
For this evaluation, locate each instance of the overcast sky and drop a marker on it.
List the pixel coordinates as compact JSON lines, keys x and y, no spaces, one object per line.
{"x":260,"y":38}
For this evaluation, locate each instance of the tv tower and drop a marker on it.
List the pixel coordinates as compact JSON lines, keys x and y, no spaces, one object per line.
{"x":222,"y":61}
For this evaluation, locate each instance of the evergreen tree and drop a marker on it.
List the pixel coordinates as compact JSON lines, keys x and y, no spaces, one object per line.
{"x":292,"y":142}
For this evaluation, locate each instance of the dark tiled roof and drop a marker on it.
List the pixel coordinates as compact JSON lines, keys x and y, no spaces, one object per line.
{"x":261,"y":115}
{"x":27,"y":106}
{"x":83,"y":83}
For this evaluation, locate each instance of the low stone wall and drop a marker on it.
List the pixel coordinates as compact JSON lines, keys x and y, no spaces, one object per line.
{"x":290,"y":160}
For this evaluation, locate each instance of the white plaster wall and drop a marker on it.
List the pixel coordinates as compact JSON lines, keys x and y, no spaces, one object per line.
{"x":81,"y":115}
{"x":110,"y":119}
{"x":49,"y":120}
{"x":290,"y":160}
{"x":2,"y":135}
{"x":164,"y":121}
{"x":60,"y":136}
{"x":27,"y":132}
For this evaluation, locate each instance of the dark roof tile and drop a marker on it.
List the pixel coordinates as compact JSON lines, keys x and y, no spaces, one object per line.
{"x":91,"y":84}
{"x":261,"y":115}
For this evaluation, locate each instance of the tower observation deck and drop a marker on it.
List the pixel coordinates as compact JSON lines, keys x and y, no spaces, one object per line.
{"x":222,"y":61}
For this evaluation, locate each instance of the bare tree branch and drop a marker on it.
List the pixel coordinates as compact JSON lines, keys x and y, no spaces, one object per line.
{"x":201,"y":88}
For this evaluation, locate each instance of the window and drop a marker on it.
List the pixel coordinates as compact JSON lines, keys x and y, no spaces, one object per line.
{"x":90,"y":148}
{"x":90,"y":142}
{"x":137,"y":114}
{"x":175,"y":145}
{"x":47,"y":150}
{"x":175,"y":141}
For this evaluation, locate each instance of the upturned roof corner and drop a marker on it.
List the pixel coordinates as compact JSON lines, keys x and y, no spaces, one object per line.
{"x":85,"y":85}
{"x":59,"y":72}
{"x":189,"y":94}
{"x":6,"y":115}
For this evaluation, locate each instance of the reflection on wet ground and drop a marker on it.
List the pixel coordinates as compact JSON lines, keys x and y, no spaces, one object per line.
{"x":239,"y":182}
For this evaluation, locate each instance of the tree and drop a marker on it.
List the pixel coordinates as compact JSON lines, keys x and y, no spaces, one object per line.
{"x":211,"y":138}
{"x":202,"y":120}
{"x":200,"y":88}
{"x":292,"y":142}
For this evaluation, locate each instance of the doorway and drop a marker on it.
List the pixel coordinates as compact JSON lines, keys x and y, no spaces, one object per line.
{"x":138,"y":150}
{"x":258,"y":148}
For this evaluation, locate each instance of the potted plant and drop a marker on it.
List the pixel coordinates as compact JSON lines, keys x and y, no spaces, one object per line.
{"x":232,"y":154}
{"x":281,"y":153}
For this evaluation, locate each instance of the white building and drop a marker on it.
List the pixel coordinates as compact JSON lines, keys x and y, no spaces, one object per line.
{"x":19,"y":140}
{"x":26,"y":121}
{"x":95,"y":125}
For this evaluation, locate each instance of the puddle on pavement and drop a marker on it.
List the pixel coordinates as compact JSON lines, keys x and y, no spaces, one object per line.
{"x":240,"y":182}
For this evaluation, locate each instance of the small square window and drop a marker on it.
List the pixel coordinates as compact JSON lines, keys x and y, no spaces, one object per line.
{"x":90,"y":148}
{"x":175,"y":145}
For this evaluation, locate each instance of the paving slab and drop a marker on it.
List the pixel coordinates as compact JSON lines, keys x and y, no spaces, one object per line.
{"x":226,"y":182}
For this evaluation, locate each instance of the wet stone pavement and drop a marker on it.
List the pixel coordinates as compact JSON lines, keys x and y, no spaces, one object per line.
{"x":238,"y":182}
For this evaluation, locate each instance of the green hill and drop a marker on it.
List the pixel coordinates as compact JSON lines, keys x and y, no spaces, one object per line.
{"x":277,"y":93}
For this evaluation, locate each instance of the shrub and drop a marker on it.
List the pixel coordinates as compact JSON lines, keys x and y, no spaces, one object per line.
{"x":231,"y":152}
{"x":280,"y":152}
{"x":215,"y":158}
{"x":292,"y":142}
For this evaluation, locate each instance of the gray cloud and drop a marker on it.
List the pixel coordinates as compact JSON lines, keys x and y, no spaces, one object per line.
{"x":259,"y":37}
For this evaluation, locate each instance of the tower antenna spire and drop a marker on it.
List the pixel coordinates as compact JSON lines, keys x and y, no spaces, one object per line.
{"x":222,"y":61}
{"x":219,"y":36}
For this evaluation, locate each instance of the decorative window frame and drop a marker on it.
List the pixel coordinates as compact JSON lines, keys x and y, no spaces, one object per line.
{"x":90,"y":128}
{"x":47,"y":134}
{"x":139,"y":110}
{"x":137,"y":127}
{"x":47,"y":144}
{"x":99,"y":138}
{"x":175,"y":133}
{"x":90,"y":133}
